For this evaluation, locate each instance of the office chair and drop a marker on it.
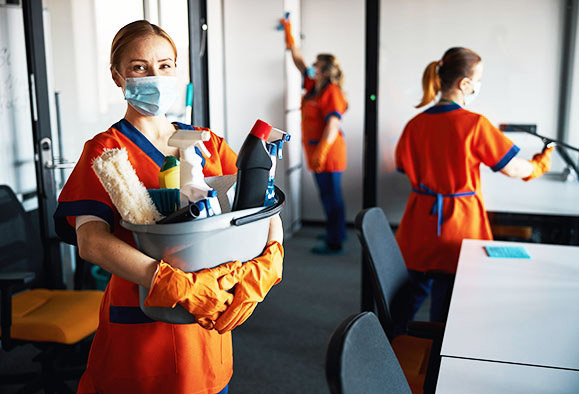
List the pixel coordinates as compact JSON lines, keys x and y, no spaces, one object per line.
{"x":418,"y":350}
{"x":360,"y":360}
{"x":54,"y":321}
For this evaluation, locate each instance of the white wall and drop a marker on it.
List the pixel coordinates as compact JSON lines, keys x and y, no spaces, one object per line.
{"x":216,"y":67}
{"x":258,"y":83}
{"x":338,"y":27}
{"x":251,"y":74}
{"x":82,"y":32}
{"x":519,"y":41}
{"x":16,"y":151}
{"x":261,"y":82}
{"x":253,"y":66}
{"x":574,"y":114}
{"x":81,"y":36}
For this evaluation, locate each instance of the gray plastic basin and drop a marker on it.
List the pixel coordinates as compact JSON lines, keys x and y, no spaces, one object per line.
{"x":198,"y":244}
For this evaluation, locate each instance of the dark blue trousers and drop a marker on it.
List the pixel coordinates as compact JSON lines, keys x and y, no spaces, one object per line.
{"x":411,"y":298}
{"x":330,"y":189}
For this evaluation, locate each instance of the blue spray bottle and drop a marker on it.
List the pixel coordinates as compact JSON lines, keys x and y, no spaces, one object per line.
{"x":274,"y":146}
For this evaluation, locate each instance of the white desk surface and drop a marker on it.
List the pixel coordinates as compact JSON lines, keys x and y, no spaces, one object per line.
{"x":516,"y":310}
{"x":546,"y":195}
{"x":460,"y":376}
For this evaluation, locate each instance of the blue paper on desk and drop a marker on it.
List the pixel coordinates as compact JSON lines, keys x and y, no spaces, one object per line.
{"x":517,"y":252}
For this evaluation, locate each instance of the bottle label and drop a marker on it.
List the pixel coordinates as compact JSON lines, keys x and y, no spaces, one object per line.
{"x":270,"y":192}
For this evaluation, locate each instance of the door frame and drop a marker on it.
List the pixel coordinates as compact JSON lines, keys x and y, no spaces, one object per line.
{"x":32,"y":11}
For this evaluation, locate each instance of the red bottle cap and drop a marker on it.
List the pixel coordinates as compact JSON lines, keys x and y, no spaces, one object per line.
{"x":261,"y":129}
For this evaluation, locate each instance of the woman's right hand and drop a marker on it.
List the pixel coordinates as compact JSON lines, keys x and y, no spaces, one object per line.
{"x":541,"y":163}
{"x":252,"y":282}
{"x":287,"y":28}
{"x":200,"y":293}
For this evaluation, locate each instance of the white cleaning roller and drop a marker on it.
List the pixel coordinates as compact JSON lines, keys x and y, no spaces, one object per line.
{"x":126,"y":191}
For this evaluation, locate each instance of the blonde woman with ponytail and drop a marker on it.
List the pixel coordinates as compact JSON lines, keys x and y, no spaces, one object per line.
{"x":440,"y":151}
{"x":323,"y":139}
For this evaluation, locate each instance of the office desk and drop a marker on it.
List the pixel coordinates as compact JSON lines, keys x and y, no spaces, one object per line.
{"x":522,"y":312}
{"x":546,"y":195}
{"x":464,"y":376}
{"x":545,"y":203}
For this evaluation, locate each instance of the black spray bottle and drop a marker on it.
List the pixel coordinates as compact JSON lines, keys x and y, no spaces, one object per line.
{"x":253,"y":166}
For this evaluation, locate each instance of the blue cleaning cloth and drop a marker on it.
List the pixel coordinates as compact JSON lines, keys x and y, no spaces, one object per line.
{"x":517,"y":252}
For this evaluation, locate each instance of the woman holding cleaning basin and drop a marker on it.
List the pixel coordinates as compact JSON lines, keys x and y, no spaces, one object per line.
{"x":325,"y":147}
{"x":131,"y":352}
{"x":440,"y":151}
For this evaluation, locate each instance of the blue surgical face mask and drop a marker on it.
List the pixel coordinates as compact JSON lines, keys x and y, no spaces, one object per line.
{"x":151,"y":96}
{"x":311,"y":72}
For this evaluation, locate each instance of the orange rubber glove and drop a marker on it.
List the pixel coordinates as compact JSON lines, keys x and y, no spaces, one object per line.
{"x":319,"y":156}
{"x":200,"y":293}
{"x":541,"y":163}
{"x":287,"y":28}
{"x":254,"y":279}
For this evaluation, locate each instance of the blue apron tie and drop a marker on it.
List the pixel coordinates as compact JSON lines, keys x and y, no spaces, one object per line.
{"x":439,"y":203}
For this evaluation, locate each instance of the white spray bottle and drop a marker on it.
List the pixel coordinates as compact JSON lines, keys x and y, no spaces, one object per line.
{"x":192,"y":181}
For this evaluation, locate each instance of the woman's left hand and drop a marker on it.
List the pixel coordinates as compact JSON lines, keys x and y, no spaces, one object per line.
{"x":252,"y":281}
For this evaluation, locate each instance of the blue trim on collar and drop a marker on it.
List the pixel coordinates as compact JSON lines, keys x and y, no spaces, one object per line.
{"x":183,"y":126}
{"x":506,"y":158}
{"x":440,"y":109}
{"x":313,"y":92}
{"x":310,"y":94}
{"x":132,"y":133}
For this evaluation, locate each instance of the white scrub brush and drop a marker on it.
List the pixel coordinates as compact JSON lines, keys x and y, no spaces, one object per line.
{"x":126,"y":191}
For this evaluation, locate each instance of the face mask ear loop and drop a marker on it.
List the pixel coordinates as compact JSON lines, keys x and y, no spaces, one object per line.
{"x":122,"y":79}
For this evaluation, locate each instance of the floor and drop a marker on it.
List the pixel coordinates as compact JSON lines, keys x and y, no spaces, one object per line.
{"x":281,"y":347}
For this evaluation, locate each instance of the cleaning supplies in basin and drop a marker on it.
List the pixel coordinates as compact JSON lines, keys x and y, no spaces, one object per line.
{"x":193,"y":188}
{"x":253,"y":166}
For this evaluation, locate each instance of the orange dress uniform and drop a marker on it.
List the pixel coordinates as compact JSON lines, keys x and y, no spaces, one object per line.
{"x":317,"y":107}
{"x":130,"y":352}
{"x":440,"y":151}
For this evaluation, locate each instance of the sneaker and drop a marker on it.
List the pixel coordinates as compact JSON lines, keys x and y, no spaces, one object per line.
{"x":322,"y":237}
{"x":324,"y":249}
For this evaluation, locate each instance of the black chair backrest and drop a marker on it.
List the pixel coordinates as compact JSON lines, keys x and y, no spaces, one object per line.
{"x":360,"y":360}
{"x":387,"y":267}
{"x":20,"y":246}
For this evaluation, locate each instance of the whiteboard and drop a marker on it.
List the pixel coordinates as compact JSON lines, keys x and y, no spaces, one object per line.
{"x":16,"y":149}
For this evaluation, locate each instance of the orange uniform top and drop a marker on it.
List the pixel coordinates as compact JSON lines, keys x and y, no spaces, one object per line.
{"x":130,"y":352}
{"x":440,"y":151}
{"x":317,"y":107}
